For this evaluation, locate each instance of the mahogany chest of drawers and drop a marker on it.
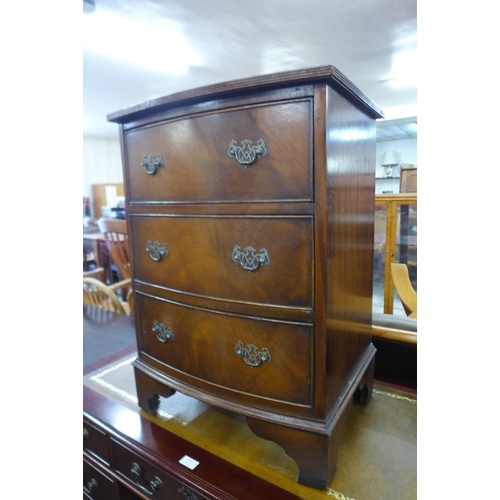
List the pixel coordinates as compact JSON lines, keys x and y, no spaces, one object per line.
{"x":250,"y":209}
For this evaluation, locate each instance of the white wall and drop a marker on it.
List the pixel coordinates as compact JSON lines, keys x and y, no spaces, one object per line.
{"x":407,"y":152}
{"x":102,"y":163}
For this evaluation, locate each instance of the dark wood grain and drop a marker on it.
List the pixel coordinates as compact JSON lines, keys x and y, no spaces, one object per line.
{"x":309,"y":203}
{"x":328,"y":75}
{"x":204,"y":346}
{"x":200,"y":257}
{"x":261,"y":310}
{"x":198,"y":168}
{"x":95,"y":442}
{"x":164,"y":449}
{"x":167,"y":485}
{"x":98,"y":484}
{"x":350,"y":196}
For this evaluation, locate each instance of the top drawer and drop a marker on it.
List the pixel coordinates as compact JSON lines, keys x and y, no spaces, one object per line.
{"x":259,"y":153}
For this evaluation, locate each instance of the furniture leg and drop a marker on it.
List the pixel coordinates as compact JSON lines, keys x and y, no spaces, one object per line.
{"x":363,"y":394}
{"x":149,"y":391}
{"x":315,"y":453}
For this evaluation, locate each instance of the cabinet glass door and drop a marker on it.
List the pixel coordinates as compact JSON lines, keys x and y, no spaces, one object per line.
{"x":395,"y":241}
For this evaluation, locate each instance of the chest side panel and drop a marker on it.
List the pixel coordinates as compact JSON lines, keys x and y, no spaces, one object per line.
{"x":350,"y":193}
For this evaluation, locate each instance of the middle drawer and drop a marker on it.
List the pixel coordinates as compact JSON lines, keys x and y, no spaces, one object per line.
{"x":263,"y":260}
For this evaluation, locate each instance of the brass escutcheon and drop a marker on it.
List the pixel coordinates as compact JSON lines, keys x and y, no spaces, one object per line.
{"x":156,"y":250}
{"x":249,"y":260}
{"x":151,"y":164}
{"x":251,"y":355}
{"x":163,"y":334}
{"x":246,"y":154}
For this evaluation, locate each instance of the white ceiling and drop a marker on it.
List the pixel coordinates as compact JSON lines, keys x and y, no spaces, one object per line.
{"x":397,"y":129}
{"x":139,"y":50}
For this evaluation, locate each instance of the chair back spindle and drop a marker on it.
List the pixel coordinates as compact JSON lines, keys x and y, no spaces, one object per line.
{"x":116,"y":235}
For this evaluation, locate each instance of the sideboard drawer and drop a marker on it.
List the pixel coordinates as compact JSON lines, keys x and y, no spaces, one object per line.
{"x":234,"y":352}
{"x":209,"y":256}
{"x":96,"y":485}
{"x":150,"y":479}
{"x":95,"y":441}
{"x":199,"y":156}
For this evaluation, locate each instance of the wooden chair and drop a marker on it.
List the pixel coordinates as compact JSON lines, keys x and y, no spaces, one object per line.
{"x":97,"y":273}
{"x":406,"y":292}
{"x":115,"y":233}
{"x":96,"y":293}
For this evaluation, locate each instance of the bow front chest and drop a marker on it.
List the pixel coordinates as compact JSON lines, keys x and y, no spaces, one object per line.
{"x":250,"y":207}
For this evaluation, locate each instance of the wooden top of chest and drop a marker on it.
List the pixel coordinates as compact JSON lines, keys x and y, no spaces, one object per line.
{"x":324,"y":74}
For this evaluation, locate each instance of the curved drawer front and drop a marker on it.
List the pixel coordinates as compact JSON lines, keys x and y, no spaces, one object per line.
{"x":210,"y":256}
{"x":217,"y":349}
{"x":200,"y":162}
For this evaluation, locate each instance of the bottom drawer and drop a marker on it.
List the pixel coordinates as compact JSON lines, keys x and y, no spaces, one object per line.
{"x":96,"y":485}
{"x":148,"y":478}
{"x":264,"y":359}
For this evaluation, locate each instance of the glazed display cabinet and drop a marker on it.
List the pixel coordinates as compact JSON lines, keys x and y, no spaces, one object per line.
{"x":395,"y":241}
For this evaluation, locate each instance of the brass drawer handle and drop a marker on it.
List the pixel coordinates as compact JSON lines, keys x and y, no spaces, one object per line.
{"x":163,"y":334}
{"x":151,"y":164}
{"x":187,"y":493}
{"x":91,"y":486}
{"x":251,"y":356}
{"x":153,"y":486}
{"x":249,"y":260}
{"x":246,"y":154}
{"x":156,"y":250}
